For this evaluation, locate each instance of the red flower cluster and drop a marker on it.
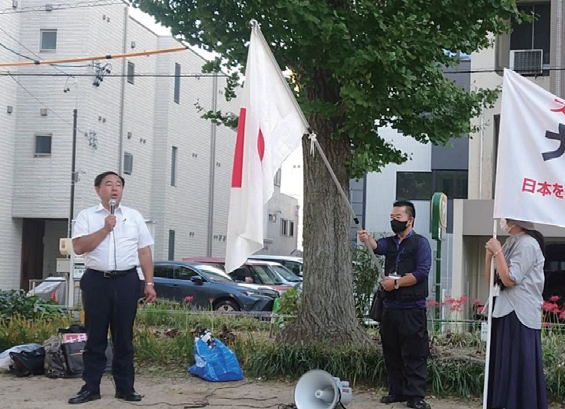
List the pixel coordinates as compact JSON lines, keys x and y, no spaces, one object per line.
{"x":455,"y":304}
{"x":551,"y":307}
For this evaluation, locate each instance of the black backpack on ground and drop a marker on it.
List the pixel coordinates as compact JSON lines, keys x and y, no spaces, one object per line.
{"x":26,"y":363}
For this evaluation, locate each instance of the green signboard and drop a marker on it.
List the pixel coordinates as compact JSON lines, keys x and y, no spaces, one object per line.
{"x":439,"y":216}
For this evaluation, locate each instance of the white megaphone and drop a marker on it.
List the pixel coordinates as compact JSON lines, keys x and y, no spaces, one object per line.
{"x":317,"y":389}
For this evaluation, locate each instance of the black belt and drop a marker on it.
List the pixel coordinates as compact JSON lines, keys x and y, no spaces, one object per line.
{"x":113,"y":273}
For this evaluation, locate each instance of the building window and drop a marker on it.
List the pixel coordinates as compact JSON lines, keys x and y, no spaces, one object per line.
{"x":128,"y":163}
{"x":171,"y":245}
{"x":174,"y":154}
{"x":177,"y":84}
{"x":414,"y":185}
{"x":421,"y":185}
{"x":43,"y":145}
{"x":284,"y":227}
{"x":451,"y":182}
{"x":277,"y":180}
{"x":533,"y":35}
{"x":291,"y":229}
{"x":131,"y":72}
{"x":48,"y":40}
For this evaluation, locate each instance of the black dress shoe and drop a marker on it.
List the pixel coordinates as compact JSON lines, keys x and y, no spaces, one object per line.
{"x":417,"y":404}
{"x":129,"y":396}
{"x":393,"y":398}
{"x":84,"y":396}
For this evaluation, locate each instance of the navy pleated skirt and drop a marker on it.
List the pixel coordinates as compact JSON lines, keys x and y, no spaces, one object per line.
{"x":516,"y":379}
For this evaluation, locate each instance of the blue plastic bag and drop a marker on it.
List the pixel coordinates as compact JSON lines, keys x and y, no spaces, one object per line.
{"x":217,"y":363}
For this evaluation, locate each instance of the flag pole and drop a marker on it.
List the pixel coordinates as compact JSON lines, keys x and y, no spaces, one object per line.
{"x":489,"y":323}
{"x":256,"y":28}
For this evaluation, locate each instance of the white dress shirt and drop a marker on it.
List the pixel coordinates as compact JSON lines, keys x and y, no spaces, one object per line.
{"x":118,"y":250}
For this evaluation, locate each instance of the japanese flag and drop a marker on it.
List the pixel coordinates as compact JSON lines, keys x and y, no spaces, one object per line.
{"x":270,"y":127}
{"x":530,"y":172}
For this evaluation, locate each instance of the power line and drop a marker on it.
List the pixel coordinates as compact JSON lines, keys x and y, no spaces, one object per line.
{"x":45,"y":106}
{"x":19,"y":74}
{"x":95,"y":57}
{"x":23,"y":46}
{"x":203,"y":75}
{"x":501,"y":70}
{"x":15,"y":52}
{"x":59,"y":6}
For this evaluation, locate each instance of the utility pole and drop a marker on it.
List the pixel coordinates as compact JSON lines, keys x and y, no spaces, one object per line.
{"x":73,"y":173}
{"x":212,"y":169}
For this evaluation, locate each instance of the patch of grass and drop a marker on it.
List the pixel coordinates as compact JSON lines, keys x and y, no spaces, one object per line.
{"x":348,"y":363}
{"x":185,"y":317}
{"x":164,"y":345}
{"x":19,"y":330}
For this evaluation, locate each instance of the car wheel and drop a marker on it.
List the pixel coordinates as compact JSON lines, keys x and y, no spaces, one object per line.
{"x":226,"y":306}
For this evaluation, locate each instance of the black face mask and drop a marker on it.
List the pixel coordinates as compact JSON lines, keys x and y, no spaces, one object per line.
{"x":397,"y":226}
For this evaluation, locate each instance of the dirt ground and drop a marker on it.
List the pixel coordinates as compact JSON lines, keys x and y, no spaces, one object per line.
{"x":39,"y":392}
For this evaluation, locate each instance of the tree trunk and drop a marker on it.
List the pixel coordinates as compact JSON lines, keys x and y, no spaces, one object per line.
{"x":328,"y":311}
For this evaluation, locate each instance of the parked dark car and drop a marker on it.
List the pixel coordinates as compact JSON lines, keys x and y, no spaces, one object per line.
{"x":187,"y":283}
{"x":294,"y":264}
{"x":251,"y":272}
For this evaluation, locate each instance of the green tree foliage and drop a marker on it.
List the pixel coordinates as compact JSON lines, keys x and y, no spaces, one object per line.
{"x":360,"y":64}
{"x":357,"y":65}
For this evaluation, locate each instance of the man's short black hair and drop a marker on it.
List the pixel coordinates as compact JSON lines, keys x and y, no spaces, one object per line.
{"x":408,"y":206}
{"x":100,"y":177}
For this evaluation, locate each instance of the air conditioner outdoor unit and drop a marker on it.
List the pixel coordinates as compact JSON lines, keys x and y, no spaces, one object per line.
{"x":527,"y":61}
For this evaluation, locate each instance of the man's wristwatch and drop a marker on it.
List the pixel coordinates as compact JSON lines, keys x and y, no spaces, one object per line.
{"x":396,"y":285}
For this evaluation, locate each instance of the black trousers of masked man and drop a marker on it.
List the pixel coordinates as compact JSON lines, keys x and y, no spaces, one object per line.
{"x":404,"y":336}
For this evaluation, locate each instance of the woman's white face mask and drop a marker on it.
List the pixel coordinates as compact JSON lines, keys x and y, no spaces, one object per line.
{"x":504,"y":226}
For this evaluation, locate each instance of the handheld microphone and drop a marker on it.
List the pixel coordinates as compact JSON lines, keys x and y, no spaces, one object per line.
{"x":112,"y":203}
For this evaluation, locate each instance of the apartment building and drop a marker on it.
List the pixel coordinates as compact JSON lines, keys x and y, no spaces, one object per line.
{"x":138,"y":116}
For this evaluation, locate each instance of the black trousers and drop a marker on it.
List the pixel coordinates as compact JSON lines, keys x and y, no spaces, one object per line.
{"x":109,"y":303}
{"x":404,"y":335}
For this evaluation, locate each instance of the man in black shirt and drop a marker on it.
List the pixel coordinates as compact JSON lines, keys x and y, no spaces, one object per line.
{"x":403,"y":327}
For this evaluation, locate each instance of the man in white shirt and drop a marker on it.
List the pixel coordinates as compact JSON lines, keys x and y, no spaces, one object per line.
{"x":114,"y":241}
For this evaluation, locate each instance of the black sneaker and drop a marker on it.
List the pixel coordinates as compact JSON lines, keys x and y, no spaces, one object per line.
{"x":418,"y":403}
{"x":393,"y":398}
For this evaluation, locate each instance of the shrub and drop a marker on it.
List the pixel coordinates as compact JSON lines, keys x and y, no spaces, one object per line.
{"x":365,"y":278}
{"x":14,"y":303}
{"x":288,"y":306}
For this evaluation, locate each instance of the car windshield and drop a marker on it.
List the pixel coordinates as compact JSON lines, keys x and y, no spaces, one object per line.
{"x":286,"y":274}
{"x":268,"y":276}
{"x":214,"y":274}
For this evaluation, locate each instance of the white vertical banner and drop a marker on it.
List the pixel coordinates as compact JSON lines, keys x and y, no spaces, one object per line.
{"x":530,"y":172}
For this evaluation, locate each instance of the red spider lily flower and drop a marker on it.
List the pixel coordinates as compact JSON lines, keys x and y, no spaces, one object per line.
{"x":188,"y":299}
{"x":480,"y":309}
{"x":450,"y":300}
{"x":432,"y":303}
{"x":554,"y":298}
{"x":549,"y":306}
{"x":562,"y":315}
{"x":211,"y":300}
{"x":546,"y":324}
{"x":476,"y":301}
